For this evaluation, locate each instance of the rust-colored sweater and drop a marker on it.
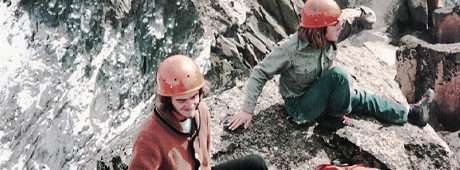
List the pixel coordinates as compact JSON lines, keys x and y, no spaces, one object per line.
{"x":162,"y":145}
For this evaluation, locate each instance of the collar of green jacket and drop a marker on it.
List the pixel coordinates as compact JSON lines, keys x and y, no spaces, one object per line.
{"x":303,"y":45}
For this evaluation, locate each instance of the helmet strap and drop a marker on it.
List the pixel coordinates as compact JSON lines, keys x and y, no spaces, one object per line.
{"x":199,"y":100}
{"x":334,"y":45}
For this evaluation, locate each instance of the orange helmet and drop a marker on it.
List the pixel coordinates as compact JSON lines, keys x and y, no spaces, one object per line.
{"x":178,"y":75}
{"x":319,"y":13}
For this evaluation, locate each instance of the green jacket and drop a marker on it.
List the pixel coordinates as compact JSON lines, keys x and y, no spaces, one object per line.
{"x":298,"y":64}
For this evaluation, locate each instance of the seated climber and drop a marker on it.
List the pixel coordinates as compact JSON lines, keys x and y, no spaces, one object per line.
{"x":178,"y":134}
{"x":313,"y":89}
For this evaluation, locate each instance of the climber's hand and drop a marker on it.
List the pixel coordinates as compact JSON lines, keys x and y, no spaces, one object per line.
{"x":238,"y":119}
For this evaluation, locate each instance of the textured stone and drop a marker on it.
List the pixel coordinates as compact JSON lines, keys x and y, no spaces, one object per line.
{"x":418,"y":10}
{"x":422,"y":65}
{"x":447,"y":24}
{"x":452,"y":139}
{"x":284,"y":12}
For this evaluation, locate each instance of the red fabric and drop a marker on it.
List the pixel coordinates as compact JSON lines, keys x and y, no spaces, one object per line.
{"x":158,"y":146}
{"x":178,"y":75}
{"x":334,"y":167}
{"x":319,"y":13}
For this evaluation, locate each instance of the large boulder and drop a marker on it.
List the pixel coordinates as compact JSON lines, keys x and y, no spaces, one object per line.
{"x":422,"y":65}
{"x":452,"y":140}
{"x":409,"y":16}
{"x":447,"y":24}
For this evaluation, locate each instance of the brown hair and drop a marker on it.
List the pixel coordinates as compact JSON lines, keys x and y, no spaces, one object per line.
{"x":315,"y":36}
{"x":164,"y":103}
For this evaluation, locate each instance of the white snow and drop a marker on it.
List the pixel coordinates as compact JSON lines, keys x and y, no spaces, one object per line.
{"x":37,"y":165}
{"x":203,"y":60}
{"x":5,"y":155}
{"x":59,"y":46}
{"x":5,"y":152}
{"x":157,"y":28}
{"x":13,"y":45}
{"x":20,"y":163}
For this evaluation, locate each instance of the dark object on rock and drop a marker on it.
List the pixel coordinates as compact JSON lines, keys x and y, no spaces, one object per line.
{"x":447,"y":24}
{"x":419,"y":112}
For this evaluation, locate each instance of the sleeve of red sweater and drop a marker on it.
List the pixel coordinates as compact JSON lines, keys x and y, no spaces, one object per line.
{"x":145,"y":156}
{"x":205,"y":109}
{"x":209,"y":142}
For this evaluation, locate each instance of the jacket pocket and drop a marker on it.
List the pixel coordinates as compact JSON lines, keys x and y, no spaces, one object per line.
{"x":305,"y":68}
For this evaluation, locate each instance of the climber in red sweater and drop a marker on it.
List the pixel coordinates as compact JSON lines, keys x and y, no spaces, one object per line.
{"x":178,"y":134}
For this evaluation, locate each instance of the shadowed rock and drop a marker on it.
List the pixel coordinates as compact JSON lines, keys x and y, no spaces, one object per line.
{"x":422,"y":65}
{"x":447,"y":24}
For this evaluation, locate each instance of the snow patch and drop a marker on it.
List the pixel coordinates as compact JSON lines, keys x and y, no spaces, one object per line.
{"x":5,"y":151}
{"x":81,"y":95}
{"x":25,"y":100}
{"x":157,"y":28}
{"x":20,"y":163}
{"x":36,"y":165}
{"x":204,"y":57}
{"x":5,"y":155}
{"x":13,"y":42}
{"x":14,"y":50}
{"x":59,"y":46}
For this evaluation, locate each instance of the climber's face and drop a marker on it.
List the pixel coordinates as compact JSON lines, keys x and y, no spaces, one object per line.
{"x":333,"y":32}
{"x":186,"y":104}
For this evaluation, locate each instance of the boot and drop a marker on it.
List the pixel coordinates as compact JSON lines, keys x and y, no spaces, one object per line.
{"x":419,"y":112}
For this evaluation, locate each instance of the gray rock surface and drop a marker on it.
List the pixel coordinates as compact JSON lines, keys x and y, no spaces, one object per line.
{"x":447,"y":23}
{"x":76,"y":78}
{"x":452,"y":140}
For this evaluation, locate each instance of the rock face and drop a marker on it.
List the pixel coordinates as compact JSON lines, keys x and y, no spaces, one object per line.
{"x":434,"y":21}
{"x":452,"y":141}
{"x":76,"y":78}
{"x":241,"y":33}
{"x":422,"y":65}
{"x":76,"y":75}
{"x":447,"y":24}
{"x":409,"y":16}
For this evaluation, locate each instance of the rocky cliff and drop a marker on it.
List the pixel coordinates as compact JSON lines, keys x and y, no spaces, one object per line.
{"x":76,"y":82}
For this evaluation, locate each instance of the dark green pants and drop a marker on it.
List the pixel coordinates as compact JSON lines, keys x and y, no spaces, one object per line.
{"x":332,"y":96}
{"x":253,"y":162}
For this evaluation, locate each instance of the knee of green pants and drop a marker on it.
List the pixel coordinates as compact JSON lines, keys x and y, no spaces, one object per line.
{"x":331,"y":93}
{"x":342,"y":81}
{"x":294,"y":109}
{"x":339,"y":73}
